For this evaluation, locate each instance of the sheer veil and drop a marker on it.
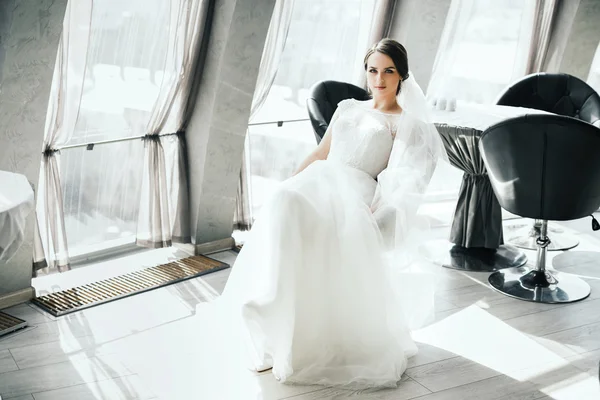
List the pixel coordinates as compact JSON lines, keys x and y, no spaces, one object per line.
{"x":413,"y":101}
{"x":401,"y":188}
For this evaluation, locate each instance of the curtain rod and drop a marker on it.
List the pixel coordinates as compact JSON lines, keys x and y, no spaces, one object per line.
{"x":91,"y":145}
{"x":279,"y":123}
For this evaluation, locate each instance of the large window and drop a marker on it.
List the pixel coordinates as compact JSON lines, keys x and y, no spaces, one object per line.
{"x":484,"y":47}
{"x":326,"y":40}
{"x":101,"y":193}
{"x":126,"y":59}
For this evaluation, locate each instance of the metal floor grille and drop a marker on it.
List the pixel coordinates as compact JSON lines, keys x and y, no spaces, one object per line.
{"x":93,"y":294}
{"x":9,"y":324}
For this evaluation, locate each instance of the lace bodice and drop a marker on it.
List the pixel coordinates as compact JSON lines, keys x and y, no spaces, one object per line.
{"x":362,"y":137}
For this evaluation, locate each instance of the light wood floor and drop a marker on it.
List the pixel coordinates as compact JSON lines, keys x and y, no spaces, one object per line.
{"x":482,"y":345}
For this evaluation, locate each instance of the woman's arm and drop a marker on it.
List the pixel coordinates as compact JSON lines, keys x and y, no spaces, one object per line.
{"x":322,"y":150}
{"x":320,"y":153}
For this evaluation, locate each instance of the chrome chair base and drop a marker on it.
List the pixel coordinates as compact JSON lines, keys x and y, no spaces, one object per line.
{"x":526,"y":236}
{"x":559,"y":242}
{"x":475,"y":259}
{"x":527,"y":226}
{"x":546,"y":286}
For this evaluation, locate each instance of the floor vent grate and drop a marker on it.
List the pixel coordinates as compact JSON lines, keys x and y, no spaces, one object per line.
{"x":93,"y":294}
{"x":10,"y":324}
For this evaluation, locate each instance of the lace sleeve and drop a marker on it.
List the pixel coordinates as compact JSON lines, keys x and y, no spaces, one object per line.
{"x":341,"y":108}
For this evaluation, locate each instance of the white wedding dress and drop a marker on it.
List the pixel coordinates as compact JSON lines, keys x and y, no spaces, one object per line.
{"x":318,"y":294}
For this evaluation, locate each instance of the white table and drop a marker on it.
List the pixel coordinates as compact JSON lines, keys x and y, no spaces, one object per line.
{"x":480,"y":116}
{"x":16,"y":202}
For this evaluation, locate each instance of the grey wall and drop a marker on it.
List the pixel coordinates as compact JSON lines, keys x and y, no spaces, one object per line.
{"x":219,"y":121}
{"x":29,"y":34}
{"x":582,"y":39}
{"x":418,"y":25}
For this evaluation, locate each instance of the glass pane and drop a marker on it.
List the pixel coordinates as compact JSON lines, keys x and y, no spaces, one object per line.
{"x":276,"y":153}
{"x":594,"y":76}
{"x":126,"y":57}
{"x":485,"y":46}
{"x":326,"y":40}
{"x":101,"y":189}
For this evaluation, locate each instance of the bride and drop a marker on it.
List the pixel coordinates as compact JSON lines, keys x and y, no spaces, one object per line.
{"x":325,"y":288}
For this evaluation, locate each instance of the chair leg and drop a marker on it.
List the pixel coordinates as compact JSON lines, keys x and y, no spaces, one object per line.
{"x":525,"y":238}
{"x":540,"y":284}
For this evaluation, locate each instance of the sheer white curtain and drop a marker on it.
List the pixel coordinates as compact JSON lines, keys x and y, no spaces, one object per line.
{"x":124,"y":70}
{"x":271,"y":56}
{"x":326,"y":40}
{"x":485,"y":46}
{"x":163,"y":202}
{"x":594,"y":76}
{"x":544,"y":22}
{"x":269,"y":64}
{"x":50,"y":245}
{"x":126,"y":58}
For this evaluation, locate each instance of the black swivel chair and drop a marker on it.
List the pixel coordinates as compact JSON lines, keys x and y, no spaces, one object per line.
{"x":561,"y":94}
{"x":543,"y":167}
{"x":323,"y":100}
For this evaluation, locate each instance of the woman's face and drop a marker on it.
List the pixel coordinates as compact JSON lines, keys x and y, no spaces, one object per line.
{"x":382,"y":77}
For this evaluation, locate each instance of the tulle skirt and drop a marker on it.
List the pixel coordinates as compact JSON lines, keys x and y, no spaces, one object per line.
{"x":313,"y":292}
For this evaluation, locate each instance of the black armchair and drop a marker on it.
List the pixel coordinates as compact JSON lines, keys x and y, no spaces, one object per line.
{"x":543,"y":167}
{"x":323,"y":100}
{"x":561,"y":94}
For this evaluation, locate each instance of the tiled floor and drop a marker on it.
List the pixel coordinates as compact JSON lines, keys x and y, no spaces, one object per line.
{"x":482,"y":345}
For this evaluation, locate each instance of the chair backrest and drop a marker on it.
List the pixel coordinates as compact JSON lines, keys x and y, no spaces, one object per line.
{"x":323,"y":100}
{"x":544,"y":166}
{"x":561,"y":94}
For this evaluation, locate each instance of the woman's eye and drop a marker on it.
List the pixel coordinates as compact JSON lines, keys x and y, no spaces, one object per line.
{"x":389,"y":71}
{"x":372,"y":71}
